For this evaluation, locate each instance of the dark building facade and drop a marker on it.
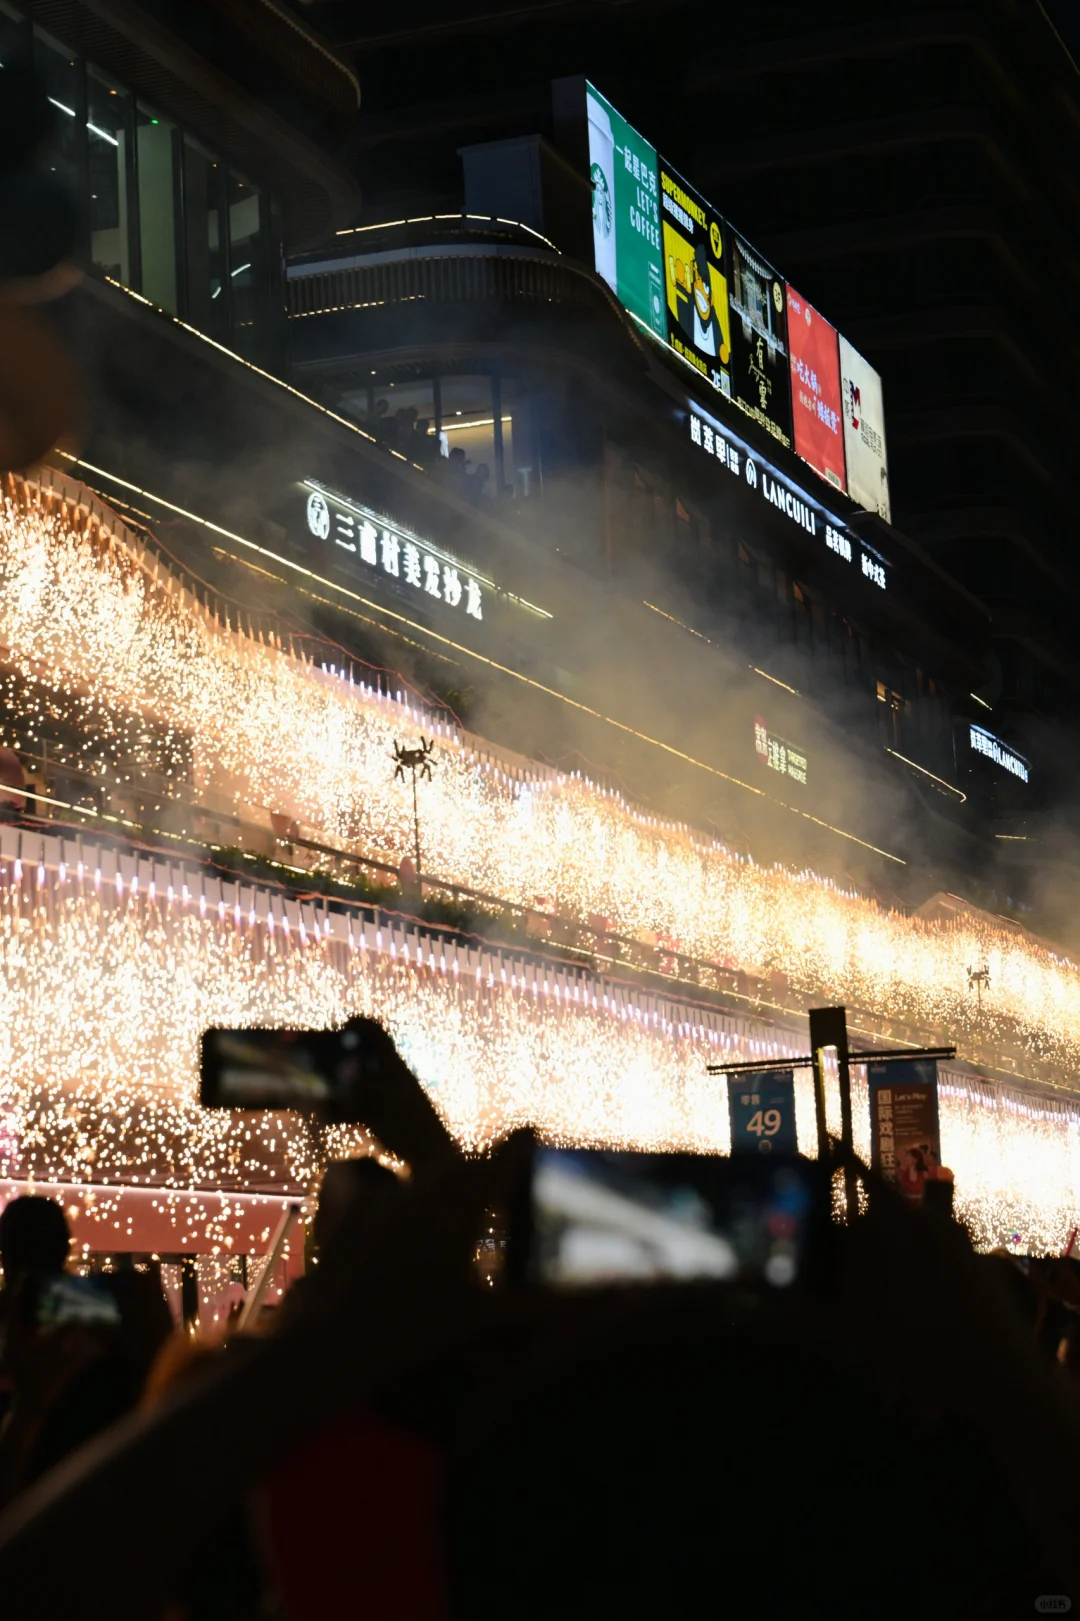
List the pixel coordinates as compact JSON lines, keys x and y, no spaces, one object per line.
{"x":900,"y":168}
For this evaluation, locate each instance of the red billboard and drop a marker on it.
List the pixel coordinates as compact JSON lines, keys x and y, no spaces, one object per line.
{"x":816,"y":407}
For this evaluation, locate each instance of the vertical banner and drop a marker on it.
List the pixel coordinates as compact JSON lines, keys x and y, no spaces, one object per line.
{"x":864,"y":432}
{"x":760,"y":378}
{"x":816,"y":406}
{"x":905,"y":1136}
{"x":695,"y":287}
{"x":762,"y":1111}
{"x":626,"y":212}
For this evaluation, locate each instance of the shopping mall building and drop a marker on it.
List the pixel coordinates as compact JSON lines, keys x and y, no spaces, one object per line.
{"x":711,"y":739}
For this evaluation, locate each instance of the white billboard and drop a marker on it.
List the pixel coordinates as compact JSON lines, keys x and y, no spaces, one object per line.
{"x":864,"y":432}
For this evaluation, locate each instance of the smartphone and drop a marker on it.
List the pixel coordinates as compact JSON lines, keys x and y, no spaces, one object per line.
{"x":592,"y":1218}
{"x":65,"y":1300}
{"x":282,"y":1069}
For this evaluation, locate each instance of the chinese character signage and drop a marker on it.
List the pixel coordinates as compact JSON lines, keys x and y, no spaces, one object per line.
{"x":393,"y":552}
{"x":762,"y":1113}
{"x":905,"y":1136}
{"x":817,"y":417}
{"x":787,"y":498}
{"x":759,"y":354}
{"x":695,"y":287}
{"x":864,"y":432}
{"x":626,"y":213}
{"x":778,"y":754}
{"x":992,"y":748}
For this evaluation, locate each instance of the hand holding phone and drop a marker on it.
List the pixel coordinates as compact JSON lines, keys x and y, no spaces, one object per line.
{"x":354,"y":1075}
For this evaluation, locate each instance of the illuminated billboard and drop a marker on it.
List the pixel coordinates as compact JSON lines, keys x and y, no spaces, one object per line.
{"x":816,"y":407}
{"x":677,"y":265}
{"x":626,"y":212}
{"x":864,"y":432}
{"x":695,"y":286}
{"x":759,"y":352}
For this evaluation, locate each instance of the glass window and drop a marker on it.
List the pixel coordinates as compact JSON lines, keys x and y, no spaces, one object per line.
{"x":468,"y":437}
{"x":248,"y":268}
{"x":59,"y":67}
{"x":521,"y":471}
{"x":401,"y":415}
{"x":13,"y":36}
{"x":158,"y":185}
{"x":109,"y":127}
{"x":208,"y":303}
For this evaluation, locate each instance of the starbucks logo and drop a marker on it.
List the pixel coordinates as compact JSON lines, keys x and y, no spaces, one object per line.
{"x":601,"y":201}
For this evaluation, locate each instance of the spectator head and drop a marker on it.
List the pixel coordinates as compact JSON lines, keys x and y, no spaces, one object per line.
{"x":381,"y":407}
{"x":483,"y":473}
{"x":421,"y":426}
{"x":457,"y":458}
{"x":34,"y":1237}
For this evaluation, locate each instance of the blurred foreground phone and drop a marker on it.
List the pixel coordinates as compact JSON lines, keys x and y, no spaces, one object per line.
{"x":283,"y":1069}
{"x":66,"y":1300}
{"x":589,"y":1219}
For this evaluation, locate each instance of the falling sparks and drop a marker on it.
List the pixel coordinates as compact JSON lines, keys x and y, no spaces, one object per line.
{"x":104,"y":996}
{"x":106,"y":985}
{"x":251,"y":727}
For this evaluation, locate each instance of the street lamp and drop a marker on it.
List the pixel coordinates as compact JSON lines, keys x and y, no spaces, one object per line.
{"x":415,"y":761}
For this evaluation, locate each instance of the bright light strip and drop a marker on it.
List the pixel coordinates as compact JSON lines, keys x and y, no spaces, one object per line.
{"x":70,"y":111}
{"x":776,"y":683}
{"x":462,"y":427}
{"x":962,"y":797}
{"x":427,"y":219}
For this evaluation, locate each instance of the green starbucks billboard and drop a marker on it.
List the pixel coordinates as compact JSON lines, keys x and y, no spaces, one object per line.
{"x":626,"y":213}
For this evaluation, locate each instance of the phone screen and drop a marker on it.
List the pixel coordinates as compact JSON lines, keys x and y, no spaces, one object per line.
{"x":280,"y":1069}
{"x":604,"y":1218}
{"x":65,"y":1300}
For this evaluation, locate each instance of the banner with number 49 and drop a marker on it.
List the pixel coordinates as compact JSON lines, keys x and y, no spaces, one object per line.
{"x":762,"y":1110}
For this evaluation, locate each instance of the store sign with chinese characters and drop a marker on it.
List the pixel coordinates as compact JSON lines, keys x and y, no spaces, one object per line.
{"x":393,"y":552}
{"x":787,"y":498}
{"x":778,"y":754}
{"x":992,"y":748}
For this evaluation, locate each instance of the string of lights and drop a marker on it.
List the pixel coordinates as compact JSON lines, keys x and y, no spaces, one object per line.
{"x":106,"y":988}
{"x":111,"y":966}
{"x":261,"y":729}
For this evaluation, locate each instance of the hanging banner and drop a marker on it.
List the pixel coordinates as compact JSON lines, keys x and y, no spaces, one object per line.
{"x":626,"y":212}
{"x":760,"y":377}
{"x":864,"y":432}
{"x":905,"y":1136}
{"x":695,"y":287}
{"x":762,"y":1111}
{"x":816,"y":407}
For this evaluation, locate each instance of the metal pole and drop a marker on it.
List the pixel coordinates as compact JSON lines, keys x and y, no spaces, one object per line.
{"x":828,"y":1028}
{"x":416,"y":822}
{"x":254,"y":1297}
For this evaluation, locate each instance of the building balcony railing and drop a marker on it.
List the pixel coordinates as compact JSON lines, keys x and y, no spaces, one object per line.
{"x":480,"y":274}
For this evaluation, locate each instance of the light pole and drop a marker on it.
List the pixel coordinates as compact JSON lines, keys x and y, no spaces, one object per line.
{"x":414,"y":761}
